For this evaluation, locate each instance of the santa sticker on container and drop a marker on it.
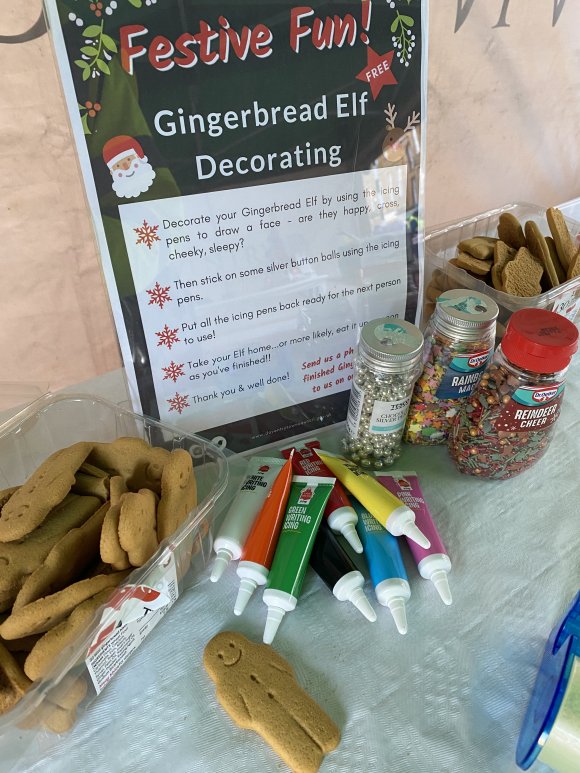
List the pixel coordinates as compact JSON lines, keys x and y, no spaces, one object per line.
{"x":128,"y":618}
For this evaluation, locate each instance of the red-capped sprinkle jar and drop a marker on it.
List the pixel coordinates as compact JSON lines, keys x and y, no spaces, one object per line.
{"x":507,"y":423}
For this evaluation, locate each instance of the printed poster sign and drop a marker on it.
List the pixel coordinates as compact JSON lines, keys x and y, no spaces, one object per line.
{"x":254,"y":175}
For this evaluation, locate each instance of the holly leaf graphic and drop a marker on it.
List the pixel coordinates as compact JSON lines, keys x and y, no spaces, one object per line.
{"x":86,"y":74}
{"x":395,"y":24}
{"x":92,"y":31}
{"x":82,"y":64}
{"x":408,"y":20}
{"x":103,"y":67}
{"x":89,"y":50}
{"x":85,"y":123}
{"x":109,"y":43}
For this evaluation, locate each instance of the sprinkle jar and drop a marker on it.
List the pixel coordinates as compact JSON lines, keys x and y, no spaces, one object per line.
{"x":386,"y":366}
{"x":459,"y":341}
{"x":509,"y":420}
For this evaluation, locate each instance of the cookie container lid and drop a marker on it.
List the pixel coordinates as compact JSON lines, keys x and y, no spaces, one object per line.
{"x":466,"y":313}
{"x":539,"y":340}
{"x":390,"y":344}
{"x":562,"y":648}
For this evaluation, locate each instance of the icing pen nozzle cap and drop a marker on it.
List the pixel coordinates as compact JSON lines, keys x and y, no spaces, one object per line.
{"x":397,"y":607}
{"x":247,"y":588}
{"x":441,"y":583}
{"x":412,"y":531}
{"x":275,"y":615}
{"x":222,"y":559}
{"x":350,"y":535}
{"x":363,"y":605}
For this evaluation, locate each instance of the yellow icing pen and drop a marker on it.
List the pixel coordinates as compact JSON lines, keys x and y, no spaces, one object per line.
{"x":389,"y":511}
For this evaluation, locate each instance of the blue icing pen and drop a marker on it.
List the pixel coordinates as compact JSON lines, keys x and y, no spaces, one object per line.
{"x":388,"y":573}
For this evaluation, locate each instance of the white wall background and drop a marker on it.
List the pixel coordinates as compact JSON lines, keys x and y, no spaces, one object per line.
{"x":504,"y":119}
{"x":504,"y":105}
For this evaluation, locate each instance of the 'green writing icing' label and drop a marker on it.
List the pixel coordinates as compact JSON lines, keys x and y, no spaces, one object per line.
{"x":306,"y":503}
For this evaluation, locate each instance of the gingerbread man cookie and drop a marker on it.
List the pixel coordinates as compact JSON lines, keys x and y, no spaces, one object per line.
{"x":259,"y":691}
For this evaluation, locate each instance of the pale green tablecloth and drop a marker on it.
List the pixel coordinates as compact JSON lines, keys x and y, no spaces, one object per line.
{"x":450,"y":696}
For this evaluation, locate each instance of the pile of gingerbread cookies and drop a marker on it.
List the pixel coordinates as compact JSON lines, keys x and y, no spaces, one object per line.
{"x":68,"y":536}
{"x":520,"y":261}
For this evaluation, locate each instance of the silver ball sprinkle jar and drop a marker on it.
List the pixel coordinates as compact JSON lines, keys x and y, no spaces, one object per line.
{"x":387,"y":364}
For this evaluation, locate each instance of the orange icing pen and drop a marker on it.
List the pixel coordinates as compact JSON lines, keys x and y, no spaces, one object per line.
{"x":258,"y":553}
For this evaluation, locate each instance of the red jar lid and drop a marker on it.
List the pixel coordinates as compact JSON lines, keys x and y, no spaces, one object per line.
{"x":539,"y":340}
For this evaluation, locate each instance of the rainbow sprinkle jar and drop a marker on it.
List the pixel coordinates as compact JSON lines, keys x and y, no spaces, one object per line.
{"x":459,"y":341}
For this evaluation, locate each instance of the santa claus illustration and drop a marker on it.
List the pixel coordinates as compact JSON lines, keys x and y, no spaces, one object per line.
{"x":131,"y":172}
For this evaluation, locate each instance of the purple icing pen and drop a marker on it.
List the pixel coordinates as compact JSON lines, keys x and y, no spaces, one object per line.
{"x":433,"y":563}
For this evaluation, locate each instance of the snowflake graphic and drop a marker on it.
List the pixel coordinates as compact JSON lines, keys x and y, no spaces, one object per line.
{"x":178,"y":403}
{"x":159,"y":295}
{"x":167,"y":337}
{"x":147,"y":234}
{"x":173,"y":371}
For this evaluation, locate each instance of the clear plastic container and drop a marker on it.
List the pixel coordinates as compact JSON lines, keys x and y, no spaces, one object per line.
{"x":441,"y":246}
{"x":56,"y":421}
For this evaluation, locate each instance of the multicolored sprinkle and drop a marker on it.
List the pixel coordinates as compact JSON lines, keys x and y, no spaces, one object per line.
{"x":477,"y":447}
{"x":430,"y":417}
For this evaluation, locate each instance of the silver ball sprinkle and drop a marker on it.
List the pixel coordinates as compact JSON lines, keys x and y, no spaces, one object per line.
{"x":377,"y":448}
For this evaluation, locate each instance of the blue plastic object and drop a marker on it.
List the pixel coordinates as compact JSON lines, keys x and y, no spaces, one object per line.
{"x":551,"y":683}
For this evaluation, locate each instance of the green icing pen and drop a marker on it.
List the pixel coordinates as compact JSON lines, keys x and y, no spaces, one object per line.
{"x":306,"y":503}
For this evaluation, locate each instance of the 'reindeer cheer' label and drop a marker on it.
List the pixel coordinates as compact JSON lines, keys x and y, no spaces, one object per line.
{"x":531,"y":408}
{"x":463,"y":374}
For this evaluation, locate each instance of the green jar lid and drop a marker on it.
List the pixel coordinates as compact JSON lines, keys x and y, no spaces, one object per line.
{"x":390,"y":344}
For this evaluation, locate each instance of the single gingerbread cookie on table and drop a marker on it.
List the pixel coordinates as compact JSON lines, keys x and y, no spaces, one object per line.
{"x":259,"y":691}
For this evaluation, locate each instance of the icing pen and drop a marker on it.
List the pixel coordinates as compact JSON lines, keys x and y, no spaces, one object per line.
{"x":388,"y":573}
{"x":358,"y":558}
{"x":433,"y":563}
{"x":389,"y":511}
{"x":258,"y":552}
{"x":335,"y":567}
{"x":306,"y":503}
{"x":233,"y":532}
{"x":339,"y":513}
